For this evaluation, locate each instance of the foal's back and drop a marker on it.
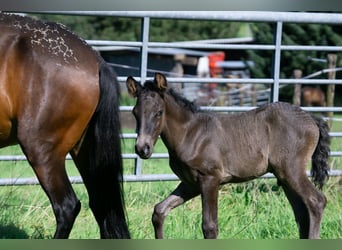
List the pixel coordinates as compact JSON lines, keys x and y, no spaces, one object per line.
{"x":247,"y":145}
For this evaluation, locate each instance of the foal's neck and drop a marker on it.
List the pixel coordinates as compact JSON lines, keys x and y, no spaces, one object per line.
{"x":177,"y":111}
{"x":177,"y":118}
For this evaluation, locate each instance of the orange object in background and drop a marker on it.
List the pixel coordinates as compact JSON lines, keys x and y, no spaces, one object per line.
{"x":213,"y":59}
{"x":215,"y":71}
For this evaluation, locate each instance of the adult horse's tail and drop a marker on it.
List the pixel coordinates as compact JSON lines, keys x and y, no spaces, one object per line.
{"x":104,"y":182}
{"x":320,"y":158}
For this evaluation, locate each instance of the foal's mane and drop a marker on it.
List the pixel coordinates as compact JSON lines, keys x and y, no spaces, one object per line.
{"x":180,"y":99}
{"x":183,"y":101}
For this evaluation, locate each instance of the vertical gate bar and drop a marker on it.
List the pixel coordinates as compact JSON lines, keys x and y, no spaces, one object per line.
{"x":145,"y":26}
{"x":276,"y":63}
{"x":144,"y":49}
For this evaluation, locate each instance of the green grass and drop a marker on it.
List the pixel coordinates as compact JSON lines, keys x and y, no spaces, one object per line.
{"x":252,"y":210}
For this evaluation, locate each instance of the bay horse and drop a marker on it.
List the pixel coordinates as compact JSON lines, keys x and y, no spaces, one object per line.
{"x":58,"y":96}
{"x":207,"y":150}
{"x":313,"y":97}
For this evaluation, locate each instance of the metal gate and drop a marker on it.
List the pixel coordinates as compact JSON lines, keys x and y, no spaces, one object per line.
{"x":278,"y":18}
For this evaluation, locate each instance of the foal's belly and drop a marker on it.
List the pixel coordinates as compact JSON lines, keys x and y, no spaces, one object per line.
{"x":247,"y":168}
{"x":227,"y":169}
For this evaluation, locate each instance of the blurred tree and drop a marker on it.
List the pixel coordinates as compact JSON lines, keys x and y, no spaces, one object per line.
{"x":293,"y":34}
{"x":161,"y":30}
{"x":169,"y":30}
{"x":98,"y":27}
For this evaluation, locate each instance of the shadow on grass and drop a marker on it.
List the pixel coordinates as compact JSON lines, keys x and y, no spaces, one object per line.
{"x":10,"y":231}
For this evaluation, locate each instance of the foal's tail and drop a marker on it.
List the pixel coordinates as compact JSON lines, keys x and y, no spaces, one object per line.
{"x":320,"y":158}
{"x":106,"y":173}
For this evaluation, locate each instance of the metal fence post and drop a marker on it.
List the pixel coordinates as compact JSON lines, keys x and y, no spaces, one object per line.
{"x":145,"y":26}
{"x":276,"y":64}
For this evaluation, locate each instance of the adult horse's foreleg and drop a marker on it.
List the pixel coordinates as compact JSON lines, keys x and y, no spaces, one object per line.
{"x":209,"y":193}
{"x":53,"y":179}
{"x":179,"y":196}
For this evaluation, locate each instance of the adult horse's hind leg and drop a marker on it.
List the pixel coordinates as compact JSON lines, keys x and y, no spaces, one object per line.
{"x":102,"y":197}
{"x":307,"y":203}
{"x":51,"y":173}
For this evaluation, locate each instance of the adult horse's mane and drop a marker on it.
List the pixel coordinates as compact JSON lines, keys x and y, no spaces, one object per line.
{"x":180,"y":99}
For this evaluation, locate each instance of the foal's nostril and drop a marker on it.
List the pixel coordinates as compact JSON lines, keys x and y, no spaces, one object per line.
{"x":144,"y":151}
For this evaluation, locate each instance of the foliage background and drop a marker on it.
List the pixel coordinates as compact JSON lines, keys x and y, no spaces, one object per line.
{"x":167,"y":30}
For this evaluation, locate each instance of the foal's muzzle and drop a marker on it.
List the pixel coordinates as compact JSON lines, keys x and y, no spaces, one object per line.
{"x":143,"y":148}
{"x":144,"y":151}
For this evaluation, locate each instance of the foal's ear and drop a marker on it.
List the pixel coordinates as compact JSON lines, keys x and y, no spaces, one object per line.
{"x":133,"y":86}
{"x":160,"y":81}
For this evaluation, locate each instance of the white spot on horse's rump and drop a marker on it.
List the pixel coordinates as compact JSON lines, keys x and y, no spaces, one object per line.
{"x":49,"y":39}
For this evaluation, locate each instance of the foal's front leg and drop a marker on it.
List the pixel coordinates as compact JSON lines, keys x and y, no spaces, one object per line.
{"x":179,"y":196}
{"x":209,"y":193}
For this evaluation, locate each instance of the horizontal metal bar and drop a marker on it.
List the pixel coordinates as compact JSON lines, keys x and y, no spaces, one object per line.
{"x":195,"y":45}
{"x":134,"y":135}
{"x":311,"y":48}
{"x":209,"y":79}
{"x":243,"y":108}
{"x":208,"y":45}
{"x":241,"y":16}
{"x":335,"y":154}
{"x":153,"y":156}
{"x":211,"y":46}
{"x":309,"y":81}
{"x":124,"y":156}
{"x":114,"y":43}
{"x":322,"y":109}
{"x":126,"y":108}
{"x":128,"y":178}
{"x":243,"y":80}
{"x":129,"y":136}
{"x":335,"y":134}
{"x":150,"y":177}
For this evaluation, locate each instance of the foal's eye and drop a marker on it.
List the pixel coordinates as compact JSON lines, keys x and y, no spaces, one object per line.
{"x":159,"y":113}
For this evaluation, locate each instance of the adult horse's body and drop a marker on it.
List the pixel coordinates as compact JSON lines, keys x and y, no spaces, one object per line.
{"x":58,"y":96}
{"x":208,"y":150}
{"x":313,"y":97}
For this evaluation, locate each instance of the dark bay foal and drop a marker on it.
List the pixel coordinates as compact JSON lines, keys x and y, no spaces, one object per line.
{"x":209,"y":149}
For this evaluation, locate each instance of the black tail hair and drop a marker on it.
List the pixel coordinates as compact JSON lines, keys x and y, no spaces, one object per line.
{"x":320,"y":158}
{"x":107,"y":201}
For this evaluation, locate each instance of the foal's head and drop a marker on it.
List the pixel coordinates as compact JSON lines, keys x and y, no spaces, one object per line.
{"x":149,"y":112}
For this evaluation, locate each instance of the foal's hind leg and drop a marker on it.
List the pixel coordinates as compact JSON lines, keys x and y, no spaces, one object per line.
{"x":307,"y":203}
{"x":50,"y":171}
{"x":179,"y":196}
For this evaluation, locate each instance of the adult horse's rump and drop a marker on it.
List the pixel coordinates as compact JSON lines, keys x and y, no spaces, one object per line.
{"x":58,"y":96}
